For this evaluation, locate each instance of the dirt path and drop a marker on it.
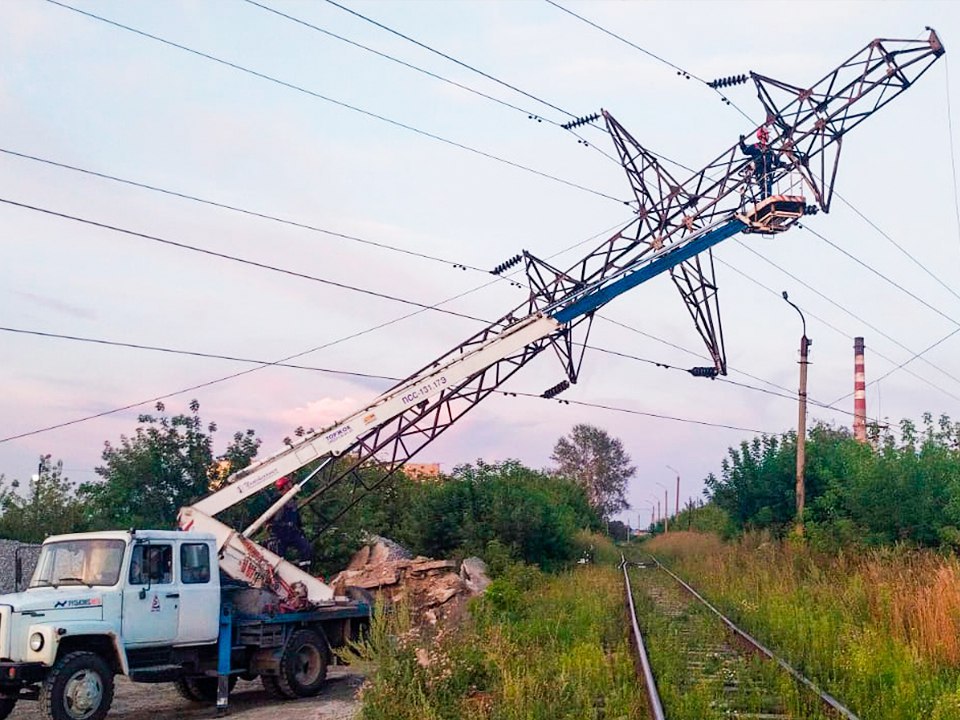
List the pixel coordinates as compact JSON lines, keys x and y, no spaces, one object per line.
{"x":248,"y":701}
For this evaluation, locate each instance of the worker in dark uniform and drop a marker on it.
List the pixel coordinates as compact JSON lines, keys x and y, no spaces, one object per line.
{"x":765,"y":161}
{"x":287,"y":529}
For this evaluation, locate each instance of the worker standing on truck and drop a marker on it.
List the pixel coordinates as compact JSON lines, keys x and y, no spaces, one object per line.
{"x":287,"y":529}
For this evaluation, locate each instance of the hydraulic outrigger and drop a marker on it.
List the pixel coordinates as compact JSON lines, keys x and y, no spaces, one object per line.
{"x":676,"y":225}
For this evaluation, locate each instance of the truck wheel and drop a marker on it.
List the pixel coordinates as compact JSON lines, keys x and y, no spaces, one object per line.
{"x":78,"y":687}
{"x":6,"y":706}
{"x":303,"y":665}
{"x":200,"y":689}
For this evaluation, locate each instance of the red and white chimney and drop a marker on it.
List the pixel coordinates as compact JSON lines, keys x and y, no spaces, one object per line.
{"x":859,"y":393}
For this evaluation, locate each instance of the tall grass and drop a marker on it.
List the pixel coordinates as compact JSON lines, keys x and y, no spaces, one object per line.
{"x":535,"y":647}
{"x":880,"y":630}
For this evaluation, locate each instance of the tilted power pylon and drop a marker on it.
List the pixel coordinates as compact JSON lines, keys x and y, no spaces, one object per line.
{"x":676,"y":225}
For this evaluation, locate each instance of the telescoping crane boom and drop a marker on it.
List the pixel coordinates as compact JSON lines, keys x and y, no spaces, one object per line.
{"x":676,"y":225}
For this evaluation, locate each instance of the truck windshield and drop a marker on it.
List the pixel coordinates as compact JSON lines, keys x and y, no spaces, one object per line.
{"x":79,"y":562}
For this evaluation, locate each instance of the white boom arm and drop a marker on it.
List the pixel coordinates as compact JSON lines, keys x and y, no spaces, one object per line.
{"x":337,"y":438}
{"x":243,"y":559}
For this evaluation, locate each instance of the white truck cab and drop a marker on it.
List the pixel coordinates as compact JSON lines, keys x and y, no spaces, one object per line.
{"x":94,"y":602}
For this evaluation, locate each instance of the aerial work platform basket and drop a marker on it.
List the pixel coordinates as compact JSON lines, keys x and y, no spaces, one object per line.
{"x":774,"y":214}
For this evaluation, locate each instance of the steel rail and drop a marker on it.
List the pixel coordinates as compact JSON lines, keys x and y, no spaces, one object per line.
{"x":828,"y":699}
{"x":652,"y":693}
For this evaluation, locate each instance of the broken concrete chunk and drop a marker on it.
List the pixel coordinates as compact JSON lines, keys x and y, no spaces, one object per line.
{"x":473,"y":570}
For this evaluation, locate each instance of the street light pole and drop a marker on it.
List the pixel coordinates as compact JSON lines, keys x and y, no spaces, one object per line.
{"x":677,"y":498}
{"x":805,"y":344}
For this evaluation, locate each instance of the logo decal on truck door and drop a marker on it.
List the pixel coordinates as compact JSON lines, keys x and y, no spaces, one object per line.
{"x":155,"y":605}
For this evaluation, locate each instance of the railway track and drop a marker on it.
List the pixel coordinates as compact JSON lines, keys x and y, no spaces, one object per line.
{"x":698,"y":665}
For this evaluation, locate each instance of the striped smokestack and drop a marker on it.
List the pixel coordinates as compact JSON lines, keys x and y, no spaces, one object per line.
{"x":859,"y":393}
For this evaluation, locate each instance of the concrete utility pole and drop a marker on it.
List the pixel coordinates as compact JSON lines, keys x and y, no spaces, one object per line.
{"x":677,"y":499}
{"x":666,"y":509}
{"x":805,"y":344}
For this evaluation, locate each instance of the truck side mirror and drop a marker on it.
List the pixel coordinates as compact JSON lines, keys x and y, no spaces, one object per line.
{"x":17,"y":570}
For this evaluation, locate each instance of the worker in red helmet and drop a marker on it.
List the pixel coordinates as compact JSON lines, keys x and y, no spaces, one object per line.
{"x":765,"y":160}
{"x":286,"y":528}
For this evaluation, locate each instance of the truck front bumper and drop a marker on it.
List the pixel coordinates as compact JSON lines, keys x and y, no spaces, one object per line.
{"x":21,"y":673}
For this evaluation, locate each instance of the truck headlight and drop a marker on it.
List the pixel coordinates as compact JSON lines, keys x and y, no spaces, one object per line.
{"x":36,"y":642}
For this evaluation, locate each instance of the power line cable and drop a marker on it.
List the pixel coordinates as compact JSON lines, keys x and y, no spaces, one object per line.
{"x":879,"y":274}
{"x":899,"y":247}
{"x":680,"y":71}
{"x":416,"y":68}
{"x":237,"y":209}
{"x":953,"y":152}
{"x":910,"y":360}
{"x":837,"y":330}
{"x":630,"y":411}
{"x":191,"y":353}
{"x":340,"y":103}
{"x":452,"y":59}
{"x":234,"y":258}
{"x":848,"y":312}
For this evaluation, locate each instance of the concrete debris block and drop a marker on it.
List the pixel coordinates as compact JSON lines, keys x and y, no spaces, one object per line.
{"x":446,"y":587}
{"x":360,"y":559}
{"x":427,"y":565}
{"x":380,"y":577}
{"x":473,"y":570}
{"x":434,"y":589}
{"x":384,"y":549}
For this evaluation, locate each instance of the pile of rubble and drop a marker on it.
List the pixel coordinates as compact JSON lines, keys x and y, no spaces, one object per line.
{"x":436,"y":590}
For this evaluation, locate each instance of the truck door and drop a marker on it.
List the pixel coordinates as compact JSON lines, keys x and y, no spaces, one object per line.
{"x":151,"y":598}
{"x":199,"y":591}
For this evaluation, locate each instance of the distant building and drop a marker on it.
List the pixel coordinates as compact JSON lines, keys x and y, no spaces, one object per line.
{"x":422,"y":471}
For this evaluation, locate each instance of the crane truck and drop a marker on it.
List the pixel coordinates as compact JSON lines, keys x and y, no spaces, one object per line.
{"x":206,"y":604}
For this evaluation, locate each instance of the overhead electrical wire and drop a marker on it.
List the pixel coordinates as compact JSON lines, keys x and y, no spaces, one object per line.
{"x":879,"y":274}
{"x":680,"y":71}
{"x":191,"y":353}
{"x":237,"y":259}
{"x":849,"y":312}
{"x":910,"y":360}
{"x":630,"y":411}
{"x":340,"y":103}
{"x":237,"y":209}
{"x":564,"y":401}
{"x":953,"y":152}
{"x":833,"y":327}
{"x":452,"y":59}
{"x":416,"y":68}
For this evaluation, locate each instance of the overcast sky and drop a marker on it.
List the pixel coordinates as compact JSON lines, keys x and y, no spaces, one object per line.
{"x":78,"y":91}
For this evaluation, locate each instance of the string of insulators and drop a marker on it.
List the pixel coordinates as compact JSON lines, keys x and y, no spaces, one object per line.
{"x":506,"y":265}
{"x":728,"y":81}
{"x":707,"y":372}
{"x":580,"y":121}
{"x":811,"y":210}
{"x":556,"y":389}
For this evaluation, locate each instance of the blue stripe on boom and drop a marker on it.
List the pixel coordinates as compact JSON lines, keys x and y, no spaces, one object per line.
{"x":605,"y":294}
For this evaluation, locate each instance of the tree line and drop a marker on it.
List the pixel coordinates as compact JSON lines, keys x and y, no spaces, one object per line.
{"x":902,"y":486}
{"x":503,"y":512}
